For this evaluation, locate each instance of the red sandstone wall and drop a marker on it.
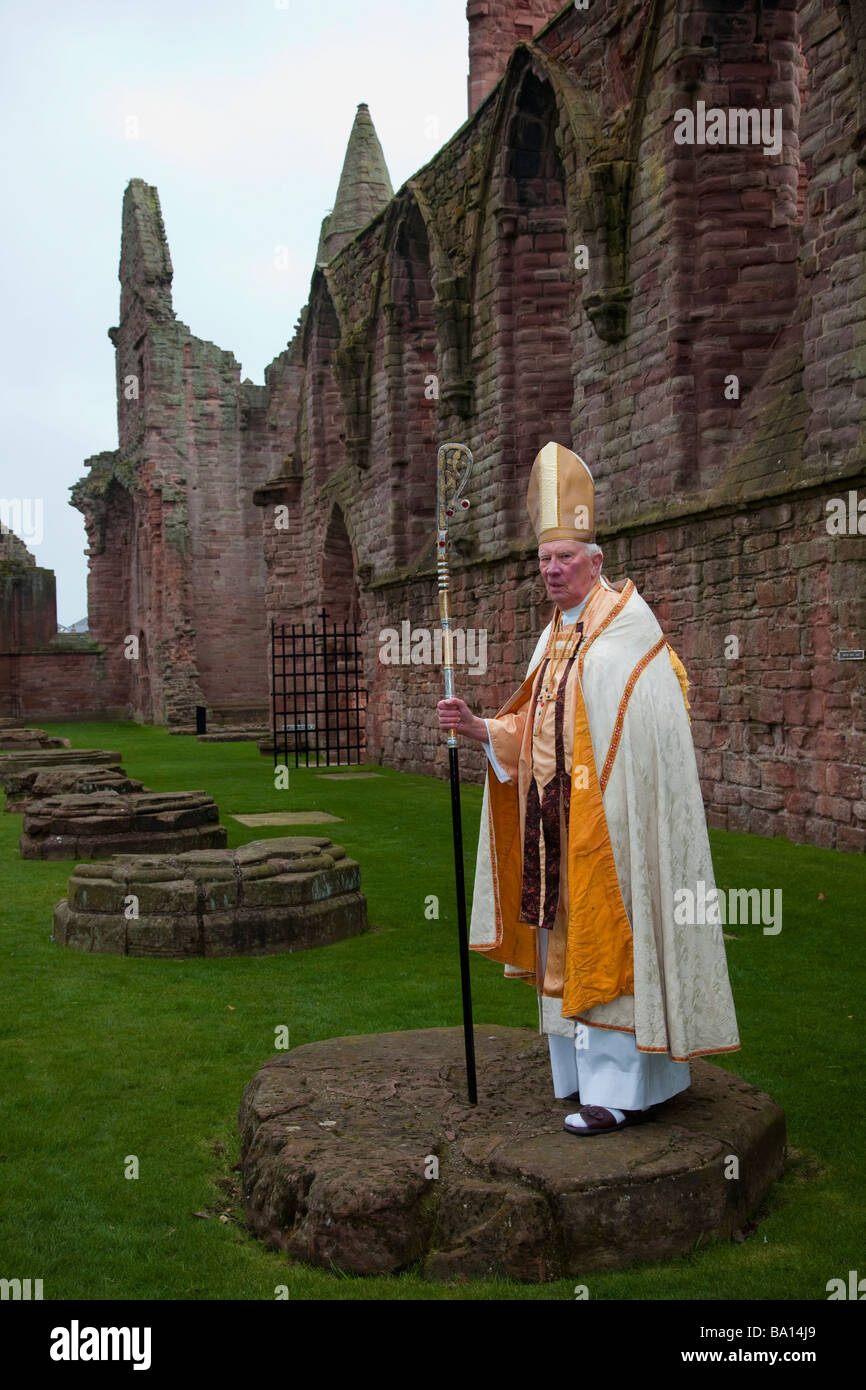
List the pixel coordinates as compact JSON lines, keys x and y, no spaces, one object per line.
{"x":58,"y":685}
{"x":777,"y":749}
{"x":174,"y":539}
{"x":43,"y":673}
{"x":28,"y":607}
{"x":703,"y":262}
{"x":495,"y":26}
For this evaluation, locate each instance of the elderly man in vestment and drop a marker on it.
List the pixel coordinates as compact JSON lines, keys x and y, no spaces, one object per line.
{"x":592,"y":821}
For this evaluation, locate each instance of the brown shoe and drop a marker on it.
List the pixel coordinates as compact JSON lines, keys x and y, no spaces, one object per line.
{"x":597,"y":1120}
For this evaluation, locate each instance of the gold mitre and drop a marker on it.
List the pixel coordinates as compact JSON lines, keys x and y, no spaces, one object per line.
{"x":561,"y":497}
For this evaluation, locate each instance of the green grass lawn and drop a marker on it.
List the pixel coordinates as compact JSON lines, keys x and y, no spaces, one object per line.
{"x":106,"y":1057}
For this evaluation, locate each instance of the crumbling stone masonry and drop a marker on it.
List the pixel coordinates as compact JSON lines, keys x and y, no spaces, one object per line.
{"x":12,"y":765}
{"x":176,"y":582}
{"x":98,"y":824}
{"x":383,"y":1164}
{"x":35,"y":784}
{"x":21,"y":740}
{"x":43,"y":673}
{"x":266,"y":898}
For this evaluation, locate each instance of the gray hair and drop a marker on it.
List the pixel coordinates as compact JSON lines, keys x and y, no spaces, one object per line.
{"x":589,"y":546}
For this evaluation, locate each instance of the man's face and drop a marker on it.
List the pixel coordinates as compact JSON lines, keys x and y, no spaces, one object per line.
{"x":568,"y":571}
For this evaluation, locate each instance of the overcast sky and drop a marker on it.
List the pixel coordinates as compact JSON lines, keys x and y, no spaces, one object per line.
{"x":239,"y":112}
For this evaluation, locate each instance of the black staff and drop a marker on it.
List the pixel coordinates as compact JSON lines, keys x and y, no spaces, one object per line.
{"x":454,"y":465}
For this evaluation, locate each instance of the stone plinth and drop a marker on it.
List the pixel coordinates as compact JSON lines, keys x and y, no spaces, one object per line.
{"x":339,"y":1140}
{"x":288,"y":818}
{"x":34,"y":784}
{"x":12,"y":763}
{"x":238,"y":716}
{"x":233,"y":736}
{"x":103,"y":823}
{"x":266,"y":898}
{"x":20,"y":740}
{"x":290,"y":743}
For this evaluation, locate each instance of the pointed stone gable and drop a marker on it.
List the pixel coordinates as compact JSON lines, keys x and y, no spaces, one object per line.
{"x":365,"y":188}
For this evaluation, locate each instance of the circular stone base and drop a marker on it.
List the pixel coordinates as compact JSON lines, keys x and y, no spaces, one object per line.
{"x":265,"y":898}
{"x":363,"y":1153}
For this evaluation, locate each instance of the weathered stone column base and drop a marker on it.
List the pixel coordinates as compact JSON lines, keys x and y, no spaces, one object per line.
{"x":265,"y":898}
{"x":39,"y":758}
{"x":35,"y":784}
{"x":24,"y":740}
{"x":363,"y":1153}
{"x":99,"y":824}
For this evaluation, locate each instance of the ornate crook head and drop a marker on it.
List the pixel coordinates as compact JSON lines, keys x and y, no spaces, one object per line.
{"x":453,"y":466}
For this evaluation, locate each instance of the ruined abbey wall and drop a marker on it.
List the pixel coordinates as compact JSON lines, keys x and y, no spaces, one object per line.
{"x":578,"y":263}
{"x":177,"y":576}
{"x":43,"y":673}
{"x":564,"y":269}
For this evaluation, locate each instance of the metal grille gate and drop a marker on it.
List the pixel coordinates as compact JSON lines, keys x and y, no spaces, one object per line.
{"x":317,"y":702}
